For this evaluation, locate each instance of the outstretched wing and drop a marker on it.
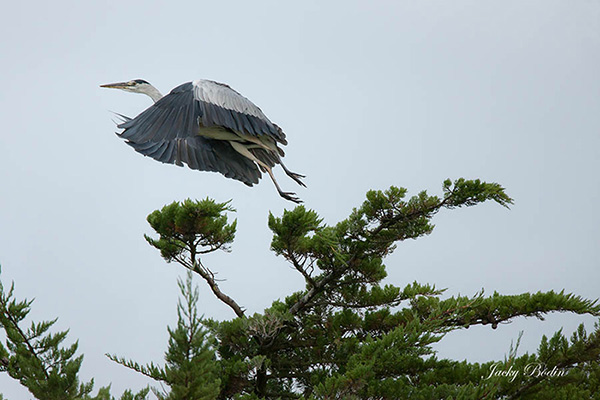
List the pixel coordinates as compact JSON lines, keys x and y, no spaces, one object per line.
{"x":168,"y":131}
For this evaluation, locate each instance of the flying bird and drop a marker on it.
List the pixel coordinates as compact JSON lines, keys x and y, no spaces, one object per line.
{"x":208,"y":126}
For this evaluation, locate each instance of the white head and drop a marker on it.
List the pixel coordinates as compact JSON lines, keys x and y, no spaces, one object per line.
{"x":136,"y":86}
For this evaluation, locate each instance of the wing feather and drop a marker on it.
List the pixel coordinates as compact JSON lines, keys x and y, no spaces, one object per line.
{"x":192,"y":161}
{"x":202,"y":154}
{"x":221,"y":105}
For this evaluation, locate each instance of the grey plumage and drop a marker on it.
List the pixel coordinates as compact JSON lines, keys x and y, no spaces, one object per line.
{"x":209,"y":127}
{"x":201,"y":154}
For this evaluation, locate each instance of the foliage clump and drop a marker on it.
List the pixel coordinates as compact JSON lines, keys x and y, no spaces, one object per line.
{"x":191,"y":226}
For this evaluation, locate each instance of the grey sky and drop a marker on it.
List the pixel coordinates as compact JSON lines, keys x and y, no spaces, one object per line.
{"x":370,"y":94}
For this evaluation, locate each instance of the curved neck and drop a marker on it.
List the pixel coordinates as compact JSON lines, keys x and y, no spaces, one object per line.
{"x":152,"y":92}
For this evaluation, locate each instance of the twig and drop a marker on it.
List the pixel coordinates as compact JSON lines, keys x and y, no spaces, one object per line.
{"x":300,"y":268}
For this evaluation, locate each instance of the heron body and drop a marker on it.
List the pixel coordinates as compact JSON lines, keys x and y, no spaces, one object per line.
{"x":209,"y":127}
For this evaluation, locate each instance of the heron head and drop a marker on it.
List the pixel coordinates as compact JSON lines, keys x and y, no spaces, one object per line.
{"x":136,"y":85}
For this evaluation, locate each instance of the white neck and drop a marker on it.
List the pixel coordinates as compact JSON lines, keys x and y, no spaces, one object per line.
{"x":152,"y":92}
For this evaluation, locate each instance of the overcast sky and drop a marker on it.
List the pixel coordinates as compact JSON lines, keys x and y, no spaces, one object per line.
{"x":369,"y":93}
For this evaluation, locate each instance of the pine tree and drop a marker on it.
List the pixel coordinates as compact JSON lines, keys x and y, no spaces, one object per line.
{"x":348,"y":336}
{"x":345,"y":336}
{"x":191,"y":369}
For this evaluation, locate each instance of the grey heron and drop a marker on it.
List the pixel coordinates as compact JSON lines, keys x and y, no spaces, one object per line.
{"x":208,"y":126}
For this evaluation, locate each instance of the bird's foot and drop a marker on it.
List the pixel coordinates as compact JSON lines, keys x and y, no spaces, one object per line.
{"x":296,"y":177}
{"x":290,"y":196}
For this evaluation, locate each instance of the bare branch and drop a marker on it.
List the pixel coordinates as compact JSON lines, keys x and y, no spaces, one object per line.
{"x":209,"y":277}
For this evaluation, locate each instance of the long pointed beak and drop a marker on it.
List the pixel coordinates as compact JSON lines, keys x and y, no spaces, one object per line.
{"x":118,"y":85}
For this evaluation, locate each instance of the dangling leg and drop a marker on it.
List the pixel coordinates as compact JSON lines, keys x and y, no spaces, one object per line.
{"x":286,"y":195}
{"x":270,"y":146}
{"x":291,"y":174}
{"x":240,"y":148}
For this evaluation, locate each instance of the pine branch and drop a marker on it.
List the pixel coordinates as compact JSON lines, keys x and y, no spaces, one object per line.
{"x":7,"y":316}
{"x":583,"y":349}
{"x":151,"y":371}
{"x":191,"y":228}
{"x":191,"y":369}
{"x":35,"y":357}
{"x":300,"y":268}
{"x":318,"y":287}
{"x":209,"y":277}
{"x":463,"y":311}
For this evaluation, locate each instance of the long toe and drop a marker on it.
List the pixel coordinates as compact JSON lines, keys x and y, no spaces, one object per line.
{"x":290,"y":196}
{"x":297,"y":178}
